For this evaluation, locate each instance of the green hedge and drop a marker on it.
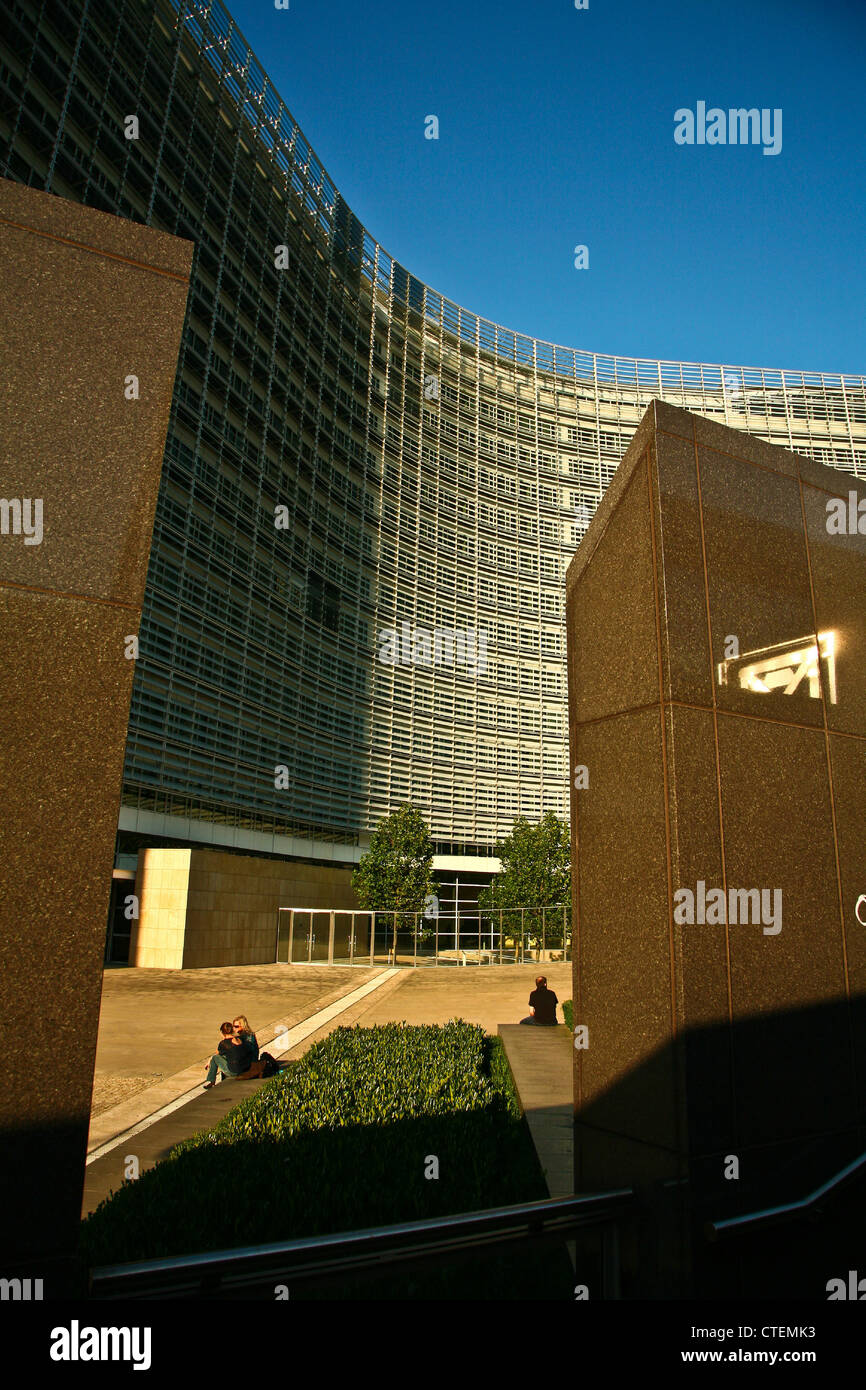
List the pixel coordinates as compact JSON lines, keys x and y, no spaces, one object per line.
{"x":568,"y":1014}
{"x":336,"y":1142}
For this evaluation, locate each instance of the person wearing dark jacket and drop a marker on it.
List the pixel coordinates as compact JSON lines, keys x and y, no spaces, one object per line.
{"x":542,"y":1002}
{"x":238,"y":1052}
{"x":242,"y":1028}
{"x":233,"y":1057}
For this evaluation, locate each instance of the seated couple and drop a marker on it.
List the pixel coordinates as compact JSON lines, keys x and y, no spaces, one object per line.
{"x":543,"y":1003}
{"x":237,"y":1055}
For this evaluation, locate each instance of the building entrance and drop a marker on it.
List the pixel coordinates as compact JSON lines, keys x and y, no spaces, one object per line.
{"x":119,"y":929}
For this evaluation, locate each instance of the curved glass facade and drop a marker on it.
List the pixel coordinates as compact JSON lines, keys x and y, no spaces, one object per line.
{"x":370,"y":494}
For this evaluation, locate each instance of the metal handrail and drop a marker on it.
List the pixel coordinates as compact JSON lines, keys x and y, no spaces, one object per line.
{"x":768,"y":1216}
{"x":380,"y":1246}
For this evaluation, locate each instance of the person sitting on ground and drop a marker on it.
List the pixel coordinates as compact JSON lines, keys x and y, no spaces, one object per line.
{"x":233,"y":1056}
{"x":241,"y":1025}
{"x":257,"y":1066}
{"x":543,"y":1003}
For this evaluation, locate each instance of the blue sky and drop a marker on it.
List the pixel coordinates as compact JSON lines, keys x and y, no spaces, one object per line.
{"x":556,"y":128}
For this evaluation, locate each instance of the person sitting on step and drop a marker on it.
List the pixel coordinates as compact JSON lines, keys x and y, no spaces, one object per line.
{"x":542,"y":1002}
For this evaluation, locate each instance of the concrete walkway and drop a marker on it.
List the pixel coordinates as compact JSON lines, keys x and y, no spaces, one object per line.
{"x":485,"y":994}
{"x":541,"y":1064}
{"x":158,"y":1021}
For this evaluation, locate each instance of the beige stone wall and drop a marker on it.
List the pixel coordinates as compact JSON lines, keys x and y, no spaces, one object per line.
{"x":200,"y":908}
{"x":162,"y":888}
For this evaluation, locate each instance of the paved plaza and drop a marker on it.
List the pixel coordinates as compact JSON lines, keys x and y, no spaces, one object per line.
{"x":155,"y":1022}
{"x":485,"y":994}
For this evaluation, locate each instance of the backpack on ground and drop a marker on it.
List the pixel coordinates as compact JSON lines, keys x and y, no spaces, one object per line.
{"x":270,"y":1065}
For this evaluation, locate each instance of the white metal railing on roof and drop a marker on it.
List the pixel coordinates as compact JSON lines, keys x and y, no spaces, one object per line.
{"x":218,"y":37}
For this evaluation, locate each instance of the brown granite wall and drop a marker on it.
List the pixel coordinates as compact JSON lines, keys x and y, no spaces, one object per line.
{"x":717,"y":698}
{"x":90,"y":300}
{"x":203,"y":908}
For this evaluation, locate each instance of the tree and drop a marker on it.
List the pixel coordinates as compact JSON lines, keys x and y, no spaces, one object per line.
{"x":536,"y":873}
{"x":396,"y":872}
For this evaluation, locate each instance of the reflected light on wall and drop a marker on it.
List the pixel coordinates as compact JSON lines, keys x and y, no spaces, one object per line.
{"x":785,"y":667}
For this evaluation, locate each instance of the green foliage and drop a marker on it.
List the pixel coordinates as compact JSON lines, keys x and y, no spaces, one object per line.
{"x":336,"y":1142}
{"x":396,"y":872}
{"x":568,"y":1014}
{"x":500,"y":1075}
{"x":536,"y":872}
{"x":352,"y":1077}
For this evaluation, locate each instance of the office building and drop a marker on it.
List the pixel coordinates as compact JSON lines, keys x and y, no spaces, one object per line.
{"x":369,"y":495}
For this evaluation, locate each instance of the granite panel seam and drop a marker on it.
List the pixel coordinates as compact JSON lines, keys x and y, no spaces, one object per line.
{"x":732,"y":1075}
{"x":95,"y":250}
{"x":809,"y":481}
{"x":66,"y":594}
{"x":577,"y":991}
{"x":781,"y":723}
{"x":629,"y":1138}
{"x":664,"y":759}
{"x":617,"y":714}
{"x":707,"y":709}
{"x":836,"y":859}
{"x":816,"y":487}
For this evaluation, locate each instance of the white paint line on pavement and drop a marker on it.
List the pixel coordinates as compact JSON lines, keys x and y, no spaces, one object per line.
{"x":290,"y":1037}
